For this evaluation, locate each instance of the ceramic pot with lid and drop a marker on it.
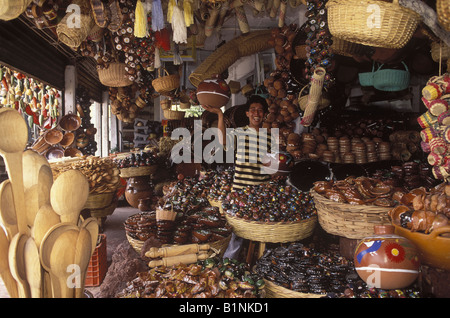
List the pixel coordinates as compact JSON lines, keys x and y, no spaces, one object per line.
{"x":138,"y":188}
{"x":386,"y":260}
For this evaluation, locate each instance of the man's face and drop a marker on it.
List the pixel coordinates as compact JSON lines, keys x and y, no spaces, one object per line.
{"x":255,"y":115}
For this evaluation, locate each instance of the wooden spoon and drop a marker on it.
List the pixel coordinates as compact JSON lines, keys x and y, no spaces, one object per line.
{"x":83,"y":252}
{"x":33,"y":268}
{"x":45,"y":219}
{"x":69,"y":194}
{"x":91,"y":224}
{"x":62,"y":257}
{"x":5,"y":272}
{"x":16,"y":258}
{"x":7,"y":210}
{"x":46,"y":248}
{"x":14,"y":132}
{"x":38,"y":195}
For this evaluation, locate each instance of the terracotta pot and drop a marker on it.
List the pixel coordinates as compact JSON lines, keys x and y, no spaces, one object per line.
{"x":70,"y":122}
{"x":213,"y":91}
{"x":386,"y":260}
{"x":138,"y":188}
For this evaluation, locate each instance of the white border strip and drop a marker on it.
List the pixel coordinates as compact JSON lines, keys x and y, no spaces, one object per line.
{"x":396,"y":270}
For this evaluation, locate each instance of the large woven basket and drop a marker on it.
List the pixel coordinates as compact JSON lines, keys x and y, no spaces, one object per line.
{"x":99,"y":200}
{"x":276,"y":232}
{"x":443,"y":13}
{"x":138,"y":171}
{"x":74,"y":35}
{"x":217,"y":247}
{"x":349,"y":220}
{"x":11,"y":9}
{"x":358,"y":21}
{"x":114,"y":75}
{"x":276,"y":291}
{"x":164,"y":84}
{"x":346,"y":48}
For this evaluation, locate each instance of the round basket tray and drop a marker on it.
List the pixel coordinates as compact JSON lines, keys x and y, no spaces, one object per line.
{"x":276,"y":232}
{"x":349,"y":220}
{"x":276,"y":291}
{"x":138,"y":171}
{"x":217,"y":246}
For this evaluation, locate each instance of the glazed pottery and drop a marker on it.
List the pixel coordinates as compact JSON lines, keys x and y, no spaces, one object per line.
{"x":386,"y":260}
{"x":138,"y":188}
{"x":213,"y":91}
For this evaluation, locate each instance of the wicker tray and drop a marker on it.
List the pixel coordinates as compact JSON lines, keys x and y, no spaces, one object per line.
{"x":276,"y":291}
{"x":138,"y":171}
{"x":217,"y":246}
{"x":279,"y":232}
{"x":349,"y":220}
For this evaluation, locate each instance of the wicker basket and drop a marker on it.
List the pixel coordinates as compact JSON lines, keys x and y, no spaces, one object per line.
{"x":349,"y":220}
{"x":276,"y":232}
{"x":173,"y":114}
{"x":346,"y":48}
{"x":11,"y":9}
{"x":440,"y":51}
{"x":217,"y":247}
{"x":165,"y":104}
{"x":71,"y":35}
{"x":391,"y":80}
{"x":99,"y":200}
{"x":138,"y":171}
{"x":443,"y":13}
{"x":114,"y":75}
{"x":349,"y":20}
{"x":276,"y":291}
{"x":166,"y":83}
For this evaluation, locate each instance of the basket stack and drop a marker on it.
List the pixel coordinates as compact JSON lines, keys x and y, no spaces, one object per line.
{"x":387,"y":25}
{"x":349,"y":220}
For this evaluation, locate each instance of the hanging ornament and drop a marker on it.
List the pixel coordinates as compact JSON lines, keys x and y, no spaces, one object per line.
{"x":140,"y":20}
{"x":188,"y":12}
{"x":178,"y":25}
{"x":157,"y":16}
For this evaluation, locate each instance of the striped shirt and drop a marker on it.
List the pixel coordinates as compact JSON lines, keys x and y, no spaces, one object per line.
{"x":249,"y":151}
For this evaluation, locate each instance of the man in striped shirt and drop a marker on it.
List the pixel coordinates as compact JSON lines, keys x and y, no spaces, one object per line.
{"x":251,"y":144}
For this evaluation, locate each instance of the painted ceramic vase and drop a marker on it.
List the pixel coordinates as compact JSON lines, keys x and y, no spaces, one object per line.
{"x":213,"y":91}
{"x":386,"y":260}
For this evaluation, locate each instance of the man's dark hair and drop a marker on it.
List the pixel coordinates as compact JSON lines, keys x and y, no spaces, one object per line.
{"x":257,"y":99}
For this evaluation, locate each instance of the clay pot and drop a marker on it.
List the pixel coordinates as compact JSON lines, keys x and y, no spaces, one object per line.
{"x":70,"y":122}
{"x":138,"y":188}
{"x":386,"y":260}
{"x":145,"y":204}
{"x":213,"y":91}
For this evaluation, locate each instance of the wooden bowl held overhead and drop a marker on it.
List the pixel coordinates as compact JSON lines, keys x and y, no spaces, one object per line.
{"x":214,"y":92}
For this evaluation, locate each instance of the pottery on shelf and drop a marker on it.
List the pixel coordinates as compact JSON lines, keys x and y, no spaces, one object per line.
{"x":386,"y":260}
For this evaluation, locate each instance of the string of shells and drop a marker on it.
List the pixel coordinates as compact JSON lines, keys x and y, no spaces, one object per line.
{"x":101,"y":173}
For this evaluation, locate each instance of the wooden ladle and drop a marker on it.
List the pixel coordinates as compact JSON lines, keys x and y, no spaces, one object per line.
{"x":5,"y":272}
{"x":68,"y":195}
{"x":33,"y":268}
{"x":14,"y":132}
{"x":16,"y":259}
{"x":83,"y":252}
{"x":46,"y":250}
{"x":7,"y":209}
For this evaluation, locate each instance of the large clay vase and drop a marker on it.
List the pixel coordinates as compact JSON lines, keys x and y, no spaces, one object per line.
{"x":213,"y":91}
{"x":138,"y":188}
{"x":386,"y":260}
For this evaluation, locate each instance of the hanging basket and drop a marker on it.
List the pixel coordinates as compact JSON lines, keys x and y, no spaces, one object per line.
{"x":390,"y":80}
{"x":164,"y":84}
{"x":345,"y":48}
{"x":74,"y":35}
{"x":11,"y":9}
{"x":114,"y":75}
{"x":352,"y":20}
{"x":443,"y":13}
{"x":440,"y":51}
{"x":173,"y":114}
